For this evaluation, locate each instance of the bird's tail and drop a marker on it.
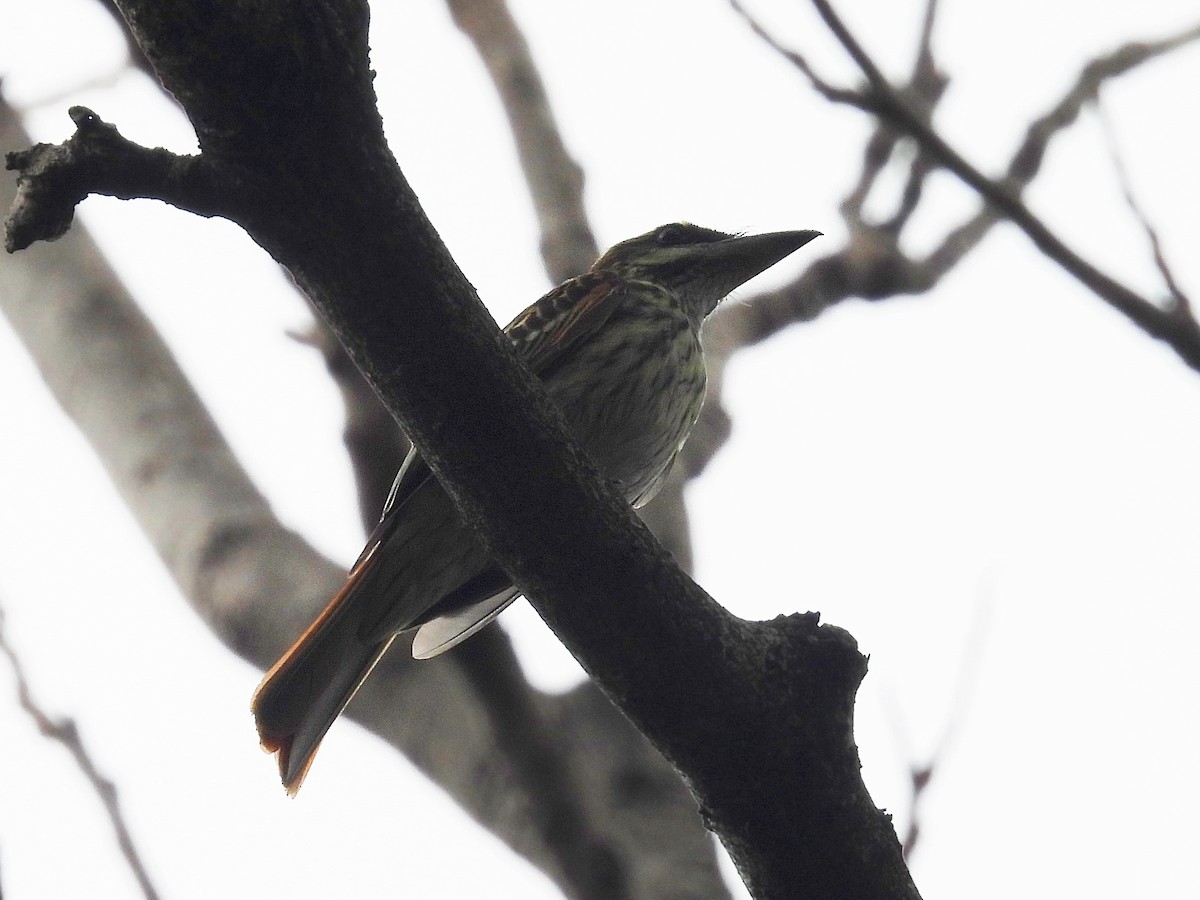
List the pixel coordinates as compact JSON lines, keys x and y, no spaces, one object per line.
{"x":311,"y":684}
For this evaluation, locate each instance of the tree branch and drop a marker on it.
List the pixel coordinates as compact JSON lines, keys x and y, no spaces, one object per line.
{"x":872,"y":265}
{"x":66,"y":733}
{"x":234,"y":561}
{"x":554,"y":179}
{"x":1179,"y":303}
{"x":376,"y":445}
{"x":1182,"y":335}
{"x":773,"y":699}
{"x":555,"y":183}
{"x":966,"y":680}
{"x":54,"y":178}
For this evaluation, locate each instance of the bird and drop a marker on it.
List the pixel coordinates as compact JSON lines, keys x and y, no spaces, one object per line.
{"x":618,"y":350}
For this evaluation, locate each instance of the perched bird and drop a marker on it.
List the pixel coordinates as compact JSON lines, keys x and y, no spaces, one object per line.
{"x":618,"y":350}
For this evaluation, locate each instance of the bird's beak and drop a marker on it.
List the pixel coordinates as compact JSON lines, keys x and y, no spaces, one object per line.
{"x":745,"y":257}
{"x":723,"y":266}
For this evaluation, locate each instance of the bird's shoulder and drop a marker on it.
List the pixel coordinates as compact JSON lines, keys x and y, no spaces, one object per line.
{"x":573,"y":295}
{"x":576,"y":308}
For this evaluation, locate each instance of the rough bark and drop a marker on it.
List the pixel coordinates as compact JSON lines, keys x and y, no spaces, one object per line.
{"x":298,"y":159}
{"x":233,"y":561}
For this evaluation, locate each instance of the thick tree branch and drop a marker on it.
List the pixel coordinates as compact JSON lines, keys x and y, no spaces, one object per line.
{"x":376,"y":445}
{"x":574,"y":823}
{"x":234,"y":561}
{"x":719,"y":696}
{"x":555,"y":183}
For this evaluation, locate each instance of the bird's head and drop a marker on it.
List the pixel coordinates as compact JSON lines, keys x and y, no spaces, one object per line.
{"x":699,"y":265}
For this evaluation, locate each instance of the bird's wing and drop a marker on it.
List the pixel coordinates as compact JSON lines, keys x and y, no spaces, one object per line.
{"x":463,"y":612}
{"x":414,"y":472}
{"x":546,"y":330}
{"x":440,"y":634}
{"x":540,"y":334}
{"x":656,"y":485}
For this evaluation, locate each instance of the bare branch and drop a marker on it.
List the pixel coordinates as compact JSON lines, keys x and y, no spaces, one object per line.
{"x":1181,"y":333}
{"x":921,"y":775}
{"x":925,"y":89}
{"x":872,"y":265}
{"x":554,"y":179}
{"x":54,"y":178}
{"x":376,"y":445}
{"x":234,"y":561}
{"x":925,"y":44}
{"x":66,"y":733}
{"x":355,"y":238}
{"x":819,"y":84}
{"x":1179,"y":303}
{"x":876,"y":154}
{"x":555,"y":183}
{"x":1026,"y":161}
{"x":1183,"y":336}
{"x":914,"y":188}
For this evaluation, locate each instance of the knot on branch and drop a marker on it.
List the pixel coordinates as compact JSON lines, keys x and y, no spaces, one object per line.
{"x":52,"y":179}
{"x":820,"y":666}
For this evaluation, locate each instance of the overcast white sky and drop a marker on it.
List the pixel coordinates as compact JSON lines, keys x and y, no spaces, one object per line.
{"x":1005,"y":452}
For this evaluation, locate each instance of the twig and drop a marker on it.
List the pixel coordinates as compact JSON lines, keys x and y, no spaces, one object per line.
{"x":1180,"y":305}
{"x":926,"y":87}
{"x":1183,"y":335}
{"x":921,"y":776}
{"x":925,"y":46}
{"x":872,"y":265}
{"x":1027,"y":160}
{"x":1181,"y":332}
{"x":66,"y":733}
{"x":819,"y":84}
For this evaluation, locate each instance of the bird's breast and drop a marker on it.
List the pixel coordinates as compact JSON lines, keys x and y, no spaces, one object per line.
{"x":632,"y":391}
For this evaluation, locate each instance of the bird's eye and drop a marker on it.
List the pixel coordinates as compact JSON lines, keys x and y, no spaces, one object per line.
{"x":669,"y":236}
